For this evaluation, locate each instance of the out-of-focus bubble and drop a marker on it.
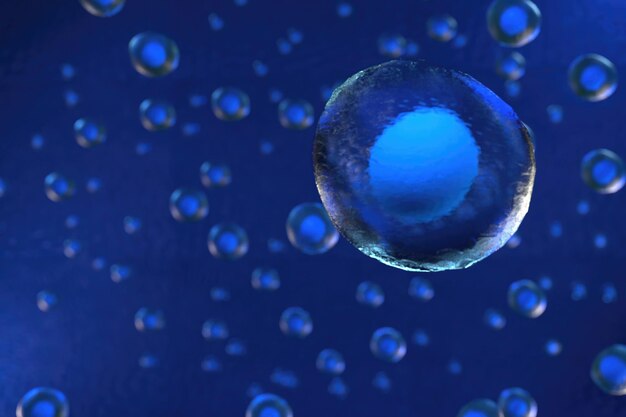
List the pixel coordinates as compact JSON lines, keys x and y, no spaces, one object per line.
{"x":235,"y":347}
{"x":93,"y":185}
{"x":58,"y":187}
{"x":583,"y":207}
{"x":593,"y":77}
{"x":421,"y":338}
{"x":215,"y":175}
{"x":553,"y":347}
{"x":578,"y":291}
{"x":269,"y":405}
{"x":494,"y":319}
{"x":98,"y":264}
{"x":265,"y":279}
{"x":284,"y":46}
{"x":459,"y":41}
{"x":511,"y":66}
{"x":514,"y":241}
{"x":157,"y":115}
{"x":228,"y":241}
{"x":391,"y":45}
{"x":608,"y":370}
{"x":71,"y":248}
{"x":513,"y":88}
{"x":442,"y":28}
{"x":132,"y":224}
{"x":527,"y":299}
{"x":556,"y":229}
{"x":148,"y":361}
{"x":120,"y":272}
{"x":295,"y":114}
{"x":37,"y":142}
{"x":514,"y":23}
{"x":230,"y":104}
{"x":603,"y":171}
{"x":480,"y":408}
{"x":275,"y":245}
{"x":600,"y":241}
{"x":68,"y":71}
{"x":609,"y":293}
{"x":405,"y":202}
{"x":89,"y":133}
{"x":215,"y":330}
{"x":295,"y":36}
{"x":344,"y":9}
{"x":310,"y":230}
{"x":46,"y":300}
{"x":412,"y":49}
{"x":545,"y":282}
{"x":187,"y":205}
{"x":296,"y":322}
{"x":102,"y":8}
{"x":43,"y":402}
{"x":72,"y":221}
{"x":516,"y":402}
{"x":147,"y":319}
{"x":329,"y":361}
{"x":220,"y":294}
{"x":555,"y":113}
{"x":198,"y":100}
{"x":381,"y":382}
{"x":338,"y":388}
{"x":275,"y":95}
{"x":455,"y":367}
{"x":153,"y":54}
{"x":71,"y":98}
{"x":285,"y":378}
{"x":190,"y":129}
{"x":216,"y":22}
{"x":211,"y":364}
{"x":370,"y":294}
{"x":421,"y":289}
{"x":260,"y":68}
{"x":388,"y":344}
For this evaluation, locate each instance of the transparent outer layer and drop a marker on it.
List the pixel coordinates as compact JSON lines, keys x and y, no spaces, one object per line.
{"x":103,"y":8}
{"x":153,"y":54}
{"x":296,"y":322}
{"x":516,"y":402}
{"x":230,"y":104}
{"x":608,"y":370}
{"x":295,"y":114}
{"x":228,"y":241}
{"x":271,"y":405}
{"x":187,"y":205}
{"x":514,"y":23}
{"x":89,"y":133}
{"x":388,"y":344}
{"x":157,"y":115}
{"x":593,"y":77}
{"x":422,"y":168}
{"x":58,"y":188}
{"x":527,"y":298}
{"x":603,"y":171}
{"x":43,"y":401}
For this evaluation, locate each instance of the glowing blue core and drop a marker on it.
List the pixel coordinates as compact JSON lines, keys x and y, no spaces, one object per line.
{"x":154,"y":54}
{"x":312,"y":228}
{"x":43,"y":408}
{"x":604,"y":172}
{"x":593,"y":77}
{"x":613,"y":369}
{"x":228,"y":242}
{"x":514,"y":20}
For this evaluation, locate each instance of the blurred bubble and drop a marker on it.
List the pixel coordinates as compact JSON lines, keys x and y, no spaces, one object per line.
{"x":265,"y":279}
{"x":295,"y":114}
{"x":527,"y":299}
{"x":93,"y":185}
{"x":147,"y":319}
{"x":296,"y":322}
{"x":370,"y":294}
{"x":609,"y":293}
{"x":67,"y":70}
{"x":442,"y":28}
{"x":215,"y":175}
{"x":120,"y":273}
{"x":157,"y":115}
{"x":220,"y":294}
{"x":72,"y":221}
{"x":190,"y":129}
{"x":556,"y":229}
{"x":421,"y":338}
{"x":480,"y":408}
{"x":153,"y":54}
{"x":228,"y":241}
{"x":455,"y":367}
{"x":338,"y":388}
{"x":514,"y":23}
{"x":216,"y":22}
{"x":284,"y":46}
{"x":132,"y":225}
{"x":211,"y":364}
{"x":592,"y":77}
{"x":608,"y":370}
{"x":344,"y":9}
{"x":553,"y":347}
{"x":285,"y":378}
{"x":43,"y":402}
{"x":511,"y":66}
{"x":235,"y":347}
{"x":329,"y":361}
{"x":102,"y":8}
{"x":391,"y":45}
{"x":37,"y":142}
{"x":516,"y":402}
{"x":545,"y":283}
{"x":215,"y":330}
{"x":46,"y":300}
{"x":187,"y":205}
{"x":197,"y":100}
{"x":71,"y":98}
{"x":578,"y":291}
{"x":421,"y":289}
{"x":513,"y":88}
{"x":58,"y":187}
{"x":89,"y":133}
{"x":494,"y":319}
{"x":295,"y":36}
{"x":260,"y":68}
{"x":230,"y":104}
{"x":459,"y":41}
{"x":71,"y":248}
{"x":310,"y":230}
{"x":388,"y":344}
{"x":600,"y":241}
{"x":382,"y":382}
{"x":555,"y":113}
{"x":148,"y":361}
{"x":603,"y":171}
{"x":583,"y":207}
{"x":98,"y":264}
{"x":269,"y":405}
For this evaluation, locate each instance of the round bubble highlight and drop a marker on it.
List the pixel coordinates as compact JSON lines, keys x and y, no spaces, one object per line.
{"x":527,"y":298}
{"x":388,"y":344}
{"x":310,"y":230}
{"x":215,"y":175}
{"x":422,"y":168}
{"x":58,"y":187}
{"x":608,"y":370}
{"x":514,"y":23}
{"x":516,"y":402}
{"x":43,"y":402}
{"x":157,"y":115}
{"x":103,"y":8}
{"x":89,"y":133}
{"x":187,"y":205}
{"x":442,"y":28}
{"x":296,"y":322}
{"x":370,"y":294}
{"x":329,"y":361}
{"x":603,"y":171}
{"x":592,"y":77}
{"x":480,"y":408}
{"x":295,"y":114}
{"x":153,"y":54}
{"x":228,"y":241}
{"x":268,"y":405}
{"x":511,"y":66}
{"x":230,"y":104}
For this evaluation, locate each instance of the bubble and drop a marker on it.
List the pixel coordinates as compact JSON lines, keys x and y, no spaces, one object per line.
{"x":132,"y":225}
{"x":608,"y":370}
{"x":3,"y":187}
{"x":219,"y":294}
{"x":268,"y":405}
{"x":190,"y":129}
{"x":391,"y":45}
{"x":235,"y":347}
{"x":553,"y":347}
{"x":230,"y":104}
{"x":228,"y":241}
{"x":93,"y":185}
{"x":511,"y":66}
{"x":260,"y":68}
{"x":211,"y":364}
{"x":187,"y":205}
{"x":514,"y":242}
{"x":460,"y":41}
{"x":338,"y":388}
{"x":388,"y":344}
{"x":295,"y":114}
{"x":546,"y":283}
{"x":329,"y":361}
{"x":46,"y":300}
{"x":514,"y":23}
{"x":103,"y":8}
{"x":382,"y":382}
{"x":513,"y":90}
{"x":72,"y":221}
{"x":578,"y":291}
{"x":556,"y":229}
{"x":516,"y":402}
{"x":494,"y":319}
{"x":58,"y":187}
{"x":147,"y":319}
{"x":148,"y":361}
{"x":37,"y":142}
{"x":197,"y":100}
{"x":71,"y":98}
{"x":527,"y":299}
{"x":442,"y":28}
{"x":421,"y":289}
{"x":600,"y":241}
{"x":609,"y":293}
{"x":296,"y":322}
{"x":592,"y":77}
{"x":43,"y":402}
{"x":310,"y":230}
{"x":215,"y":175}
{"x":265,"y":279}
{"x":370,"y":294}
{"x":421,"y":338}
{"x":555,"y":113}
{"x":89,"y":133}
{"x":284,"y":378}
{"x":480,"y":408}
{"x":215,"y":330}
{"x":455,"y":367}
{"x":284,"y":46}
{"x":216,"y":22}
{"x":157,"y":115}
{"x":344,"y":9}
{"x":98,"y":263}
{"x":603,"y":171}
{"x":120,"y":273}
{"x":404,"y":201}
{"x":295,"y":36}
{"x":71,"y":248}
{"x":153,"y":54}
{"x":68,"y":71}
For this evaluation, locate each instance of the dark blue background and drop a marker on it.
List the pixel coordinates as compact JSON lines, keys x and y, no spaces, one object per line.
{"x":88,"y":347}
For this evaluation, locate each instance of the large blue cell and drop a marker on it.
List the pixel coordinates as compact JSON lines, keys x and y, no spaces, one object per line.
{"x":422,"y":168}
{"x":514,"y":23}
{"x":608,"y":370}
{"x":603,"y":171}
{"x":153,"y":54}
{"x":592,"y":77}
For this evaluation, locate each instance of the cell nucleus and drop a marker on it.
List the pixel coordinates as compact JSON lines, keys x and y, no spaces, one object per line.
{"x":388,"y":344}
{"x":603,"y":171}
{"x":608,"y":370}
{"x":228,"y":241}
{"x":593,"y":77}
{"x":514,"y":23}
{"x":296,"y":322}
{"x":268,"y":405}
{"x":103,"y":8}
{"x":480,"y":408}
{"x":187,"y":205}
{"x":310,"y":230}
{"x":153,"y":54}
{"x":230,"y":104}
{"x":43,"y":402}
{"x":511,"y":66}
{"x":89,"y":133}
{"x":422,"y":168}
{"x":442,"y":28}
{"x":527,"y":298}
{"x":516,"y":402}
{"x":215,"y":175}
{"x":295,"y":114}
{"x":157,"y":114}
{"x":58,"y":187}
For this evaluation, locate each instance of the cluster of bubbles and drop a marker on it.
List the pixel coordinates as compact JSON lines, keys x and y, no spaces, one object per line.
{"x":512,"y":402}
